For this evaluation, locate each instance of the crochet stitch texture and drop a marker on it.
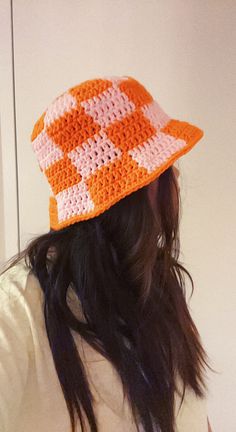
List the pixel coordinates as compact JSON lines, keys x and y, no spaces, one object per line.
{"x":102,"y":140}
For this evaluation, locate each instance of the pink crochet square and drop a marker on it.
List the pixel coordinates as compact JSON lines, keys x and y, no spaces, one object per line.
{"x":46,"y":150}
{"x":109,"y":106}
{"x":61,"y":105}
{"x":93,"y":154}
{"x":155,"y":114}
{"x":74,"y":201}
{"x":156,"y":150}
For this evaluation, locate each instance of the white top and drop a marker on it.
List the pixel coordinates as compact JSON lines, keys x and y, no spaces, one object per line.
{"x":31,"y":399}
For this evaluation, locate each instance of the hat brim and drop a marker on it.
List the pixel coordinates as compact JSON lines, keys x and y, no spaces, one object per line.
{"x":176,"y":137}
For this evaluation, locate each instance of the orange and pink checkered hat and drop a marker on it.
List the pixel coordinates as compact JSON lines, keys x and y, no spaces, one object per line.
{"x":102,"y":140}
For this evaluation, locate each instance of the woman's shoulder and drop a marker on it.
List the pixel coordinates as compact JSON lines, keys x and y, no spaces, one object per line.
{"x":20,"y":293}
{"x":13,"y":279}
{"x":20,"y":311}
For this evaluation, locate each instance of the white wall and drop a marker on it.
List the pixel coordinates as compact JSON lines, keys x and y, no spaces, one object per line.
{"x":9,"y":235}
{"x":183,"y":51}
{"x":2,"y":228}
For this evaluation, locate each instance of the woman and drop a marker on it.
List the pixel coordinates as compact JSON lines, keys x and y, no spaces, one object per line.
{"x":95,"y":329}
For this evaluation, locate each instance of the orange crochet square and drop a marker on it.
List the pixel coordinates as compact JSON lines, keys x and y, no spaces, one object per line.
{"x":135,"y":92}
{"x":38,"y":127}
{"x":72,"y":129}
{"x":132,"y":130}
{"x":86,"y":90}
{"x":62,"y":174}
{"x":113,"y":180}
{"x":182,"y":130}
{"x":53,"y":212}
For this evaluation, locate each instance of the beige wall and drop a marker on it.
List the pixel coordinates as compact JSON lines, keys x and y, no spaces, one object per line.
{"x":184,"y":53}
{"x":2,"y":228}
{"x":9,"y":238}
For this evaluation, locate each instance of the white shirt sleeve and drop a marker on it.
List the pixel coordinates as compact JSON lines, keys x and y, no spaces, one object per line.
{"x":15,"y":336}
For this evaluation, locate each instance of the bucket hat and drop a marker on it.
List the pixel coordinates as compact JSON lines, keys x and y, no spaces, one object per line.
{"x":101,"y":140}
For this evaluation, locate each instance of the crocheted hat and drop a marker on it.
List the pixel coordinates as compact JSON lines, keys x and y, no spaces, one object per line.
{"x":102,"y":140}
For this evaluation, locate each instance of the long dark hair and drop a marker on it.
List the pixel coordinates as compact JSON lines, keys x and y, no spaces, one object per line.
{"x":123,"y":266}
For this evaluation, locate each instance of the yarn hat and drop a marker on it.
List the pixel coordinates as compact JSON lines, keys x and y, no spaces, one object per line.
{"x":102,"y":140}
